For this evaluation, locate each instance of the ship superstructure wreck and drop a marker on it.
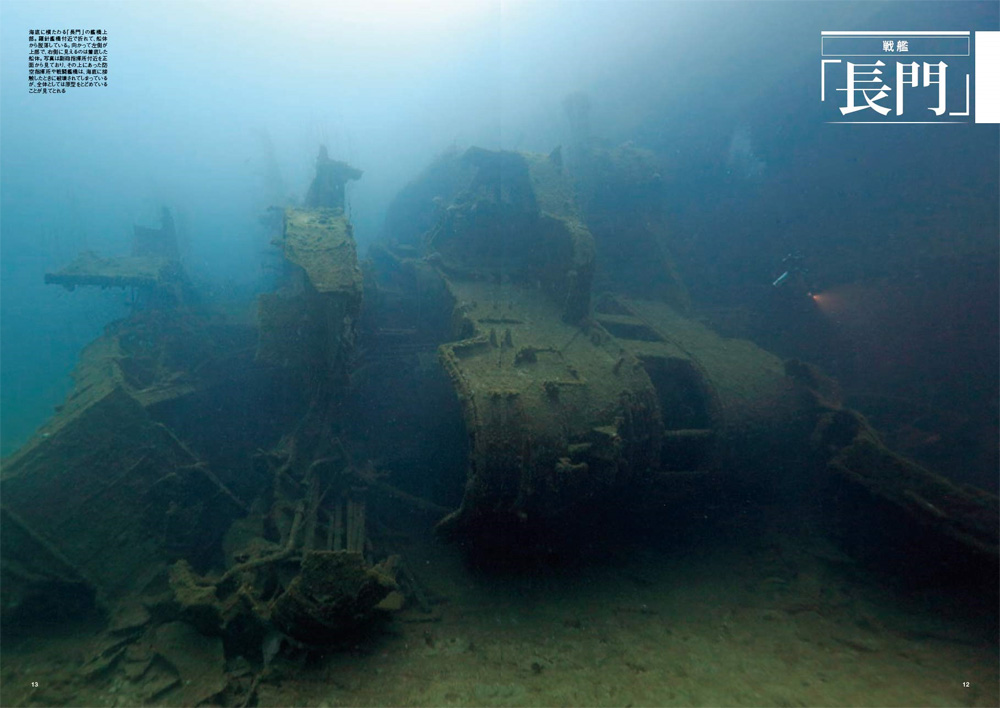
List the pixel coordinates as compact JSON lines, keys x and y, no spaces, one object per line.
{"x":221,"y":487}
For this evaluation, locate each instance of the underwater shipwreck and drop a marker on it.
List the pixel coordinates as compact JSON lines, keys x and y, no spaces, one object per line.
{"x":218,"y":486}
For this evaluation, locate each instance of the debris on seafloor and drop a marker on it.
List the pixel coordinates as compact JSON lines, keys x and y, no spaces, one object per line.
{"x":205,"y":486}
{"x":895,"y":514}
{"x":126,"y":501}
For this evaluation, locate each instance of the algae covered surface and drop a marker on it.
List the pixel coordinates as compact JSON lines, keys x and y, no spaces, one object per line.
{"x":320,"y":241}
{"x":766,"y":616}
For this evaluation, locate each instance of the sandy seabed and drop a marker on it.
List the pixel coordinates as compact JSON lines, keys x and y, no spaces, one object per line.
{"x":776,"y":617}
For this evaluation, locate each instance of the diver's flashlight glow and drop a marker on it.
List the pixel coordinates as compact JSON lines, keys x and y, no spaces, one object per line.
{"x":830,"y":302}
